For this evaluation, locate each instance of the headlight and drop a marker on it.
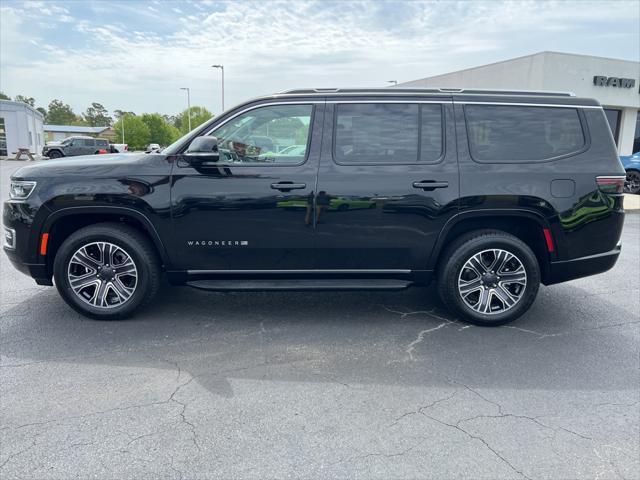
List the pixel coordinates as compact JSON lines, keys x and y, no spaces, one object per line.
{"x":20,"y":190}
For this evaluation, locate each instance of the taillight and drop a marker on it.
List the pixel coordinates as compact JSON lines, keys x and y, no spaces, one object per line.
{"x":613,"y":184}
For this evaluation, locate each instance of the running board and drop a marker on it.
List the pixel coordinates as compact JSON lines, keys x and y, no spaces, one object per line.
{"x":299,"y":284}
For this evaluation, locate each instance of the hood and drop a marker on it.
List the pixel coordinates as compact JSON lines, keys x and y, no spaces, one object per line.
{"x":98,"y":166}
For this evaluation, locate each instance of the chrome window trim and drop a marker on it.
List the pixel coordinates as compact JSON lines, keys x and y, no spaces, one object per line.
{"x":523,"y":104}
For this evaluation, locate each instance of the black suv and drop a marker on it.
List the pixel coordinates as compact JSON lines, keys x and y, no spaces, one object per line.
{"x":490,"y":193}
{"x":76,"y":146}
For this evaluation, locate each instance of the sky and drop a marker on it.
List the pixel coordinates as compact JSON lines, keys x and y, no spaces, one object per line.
{"x":135,"y":55}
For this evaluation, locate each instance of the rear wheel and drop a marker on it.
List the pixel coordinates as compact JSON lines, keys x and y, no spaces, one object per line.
{"x":632,"y":183}
{"x":107,"y":271}
{"x":489,"y":277}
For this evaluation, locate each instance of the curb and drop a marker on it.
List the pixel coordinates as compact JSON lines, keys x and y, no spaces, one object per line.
{"x":631,"y":202}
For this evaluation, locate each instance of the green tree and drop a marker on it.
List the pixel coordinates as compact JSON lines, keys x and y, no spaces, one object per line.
{"x":4,"y":96}
{"x":199,"y":115}
{"x":160,"y":131}
{"x":136,"y":132}
{"x":60,"y":114}
{"x":43,"y":112}
{"x":97,"y":116}
{"x":28,"y":100}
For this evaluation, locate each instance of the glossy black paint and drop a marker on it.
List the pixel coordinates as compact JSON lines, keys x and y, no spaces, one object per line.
{"x":348,"y":221}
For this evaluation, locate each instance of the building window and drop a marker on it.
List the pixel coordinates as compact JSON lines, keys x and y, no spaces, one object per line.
{"x":636,"y":137}
{"x":613,"y":117}
{"x":3,"y":139}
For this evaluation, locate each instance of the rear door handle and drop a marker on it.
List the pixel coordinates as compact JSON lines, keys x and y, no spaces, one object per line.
{"x":288,"y":186}
{"x":430,"y":184}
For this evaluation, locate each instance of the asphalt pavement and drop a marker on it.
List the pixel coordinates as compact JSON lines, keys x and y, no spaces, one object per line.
{"x":322,"y":385}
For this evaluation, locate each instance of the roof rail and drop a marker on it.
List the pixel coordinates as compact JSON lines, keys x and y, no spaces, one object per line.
{"x":413,"y":90}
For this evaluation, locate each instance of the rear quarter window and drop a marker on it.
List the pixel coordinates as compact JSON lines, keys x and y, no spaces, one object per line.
{"x":505,"y":133}
{"x":102,"y":143}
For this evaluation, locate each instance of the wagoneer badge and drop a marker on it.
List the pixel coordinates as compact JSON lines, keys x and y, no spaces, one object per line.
{"x":217,"y":243}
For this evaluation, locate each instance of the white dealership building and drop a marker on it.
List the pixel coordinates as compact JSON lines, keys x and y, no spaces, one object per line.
{"x":21,"y":126}
{"x":614,"y":83}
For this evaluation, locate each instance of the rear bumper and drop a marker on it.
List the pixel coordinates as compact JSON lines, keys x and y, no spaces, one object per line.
{"x":565,"y":270}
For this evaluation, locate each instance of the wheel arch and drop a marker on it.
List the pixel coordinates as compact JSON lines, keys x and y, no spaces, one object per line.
{"x":61,"y":223}
{"x":526,"y":225}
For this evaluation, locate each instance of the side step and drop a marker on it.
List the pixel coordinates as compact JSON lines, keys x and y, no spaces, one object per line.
{"x":299,"y":284}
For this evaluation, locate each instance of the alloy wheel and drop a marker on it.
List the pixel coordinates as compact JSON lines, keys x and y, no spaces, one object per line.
{"x":492,"y":281}
{"x":102,"y":275}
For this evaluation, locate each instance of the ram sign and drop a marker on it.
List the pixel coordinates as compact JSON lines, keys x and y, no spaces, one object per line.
{"x":602,"y":81}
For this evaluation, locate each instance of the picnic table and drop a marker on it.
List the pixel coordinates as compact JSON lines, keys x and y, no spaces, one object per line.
{"x":23,"y":151}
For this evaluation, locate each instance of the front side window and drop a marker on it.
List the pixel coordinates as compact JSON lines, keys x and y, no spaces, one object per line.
{"x":270,"y":134}
{"x":388,"y":133}
{"x":508,"y":133}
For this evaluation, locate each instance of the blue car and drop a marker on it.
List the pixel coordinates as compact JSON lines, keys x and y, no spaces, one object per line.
{"x":631,"y":164}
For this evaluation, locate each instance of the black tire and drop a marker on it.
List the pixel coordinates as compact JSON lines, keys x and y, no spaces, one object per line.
{"x":54,"y":154}
{"x":343,"y":207}
{"x":450,"y":272}
{"x":136,"y":246}
{"x":632,"y":183}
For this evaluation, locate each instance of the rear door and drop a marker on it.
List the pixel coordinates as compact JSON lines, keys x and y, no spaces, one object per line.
{"x":387,"y":183}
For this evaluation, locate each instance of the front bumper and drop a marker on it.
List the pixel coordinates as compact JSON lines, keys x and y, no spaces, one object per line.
{"x":22,"y":249}
{"x":565,"y":270}
{"x":38,"y":271}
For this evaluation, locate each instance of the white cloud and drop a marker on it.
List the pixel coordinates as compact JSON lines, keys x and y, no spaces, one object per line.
{"x":271,"y":46}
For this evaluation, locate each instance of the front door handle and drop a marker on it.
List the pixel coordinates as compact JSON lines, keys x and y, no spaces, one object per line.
{"x":430,"y":184}
{"x":288,"y":186}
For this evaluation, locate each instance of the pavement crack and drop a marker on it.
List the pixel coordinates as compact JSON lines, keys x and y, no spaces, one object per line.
{"x":484,"y":442}
{"x":423,"y":408}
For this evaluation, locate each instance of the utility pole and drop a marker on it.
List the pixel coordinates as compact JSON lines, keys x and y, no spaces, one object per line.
{"x":123,"y":117}
{"x":221,"y":67}
{"x":188,"y":104}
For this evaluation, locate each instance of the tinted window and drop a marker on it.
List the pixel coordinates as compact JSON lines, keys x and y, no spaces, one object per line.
{"x":87,"y":142}
{"x":102,"y":143}
{"x":376,"y":133}
{"x":519,"y":134}
{"x":265,"y":135}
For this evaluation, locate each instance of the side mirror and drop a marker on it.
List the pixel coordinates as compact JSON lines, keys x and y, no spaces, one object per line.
{"x":203,"y":150}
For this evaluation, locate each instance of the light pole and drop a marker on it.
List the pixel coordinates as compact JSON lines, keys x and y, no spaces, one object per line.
{"x":123,"y":117}
{"x":188,"y":104}
{"x":221,"y":67}
{"x":395,"y":82}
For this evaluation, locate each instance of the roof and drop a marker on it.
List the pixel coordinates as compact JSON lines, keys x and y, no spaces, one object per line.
{"x":419,"y":91}
{"x":10,"y":105}
{"x":73,"y":129}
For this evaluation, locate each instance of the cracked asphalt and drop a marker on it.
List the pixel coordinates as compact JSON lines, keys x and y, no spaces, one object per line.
{"x":323,"y":385}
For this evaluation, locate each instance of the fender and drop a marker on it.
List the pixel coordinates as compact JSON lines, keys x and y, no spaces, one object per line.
{"x":479,"y":213}
{"x":122,"y":211}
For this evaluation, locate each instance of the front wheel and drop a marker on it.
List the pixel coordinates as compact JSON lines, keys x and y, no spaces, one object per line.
{"x":54,"y":154}
{"x":106,"y":271}
{"x":489,"y":277}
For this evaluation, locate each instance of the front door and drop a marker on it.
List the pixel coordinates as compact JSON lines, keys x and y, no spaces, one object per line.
{"x":388,"y":182}
{"x":253,"y":209}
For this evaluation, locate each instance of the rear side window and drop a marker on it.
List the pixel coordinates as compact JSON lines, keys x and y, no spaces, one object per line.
{"x":388,"y":133}
{"x":88,"y":142}
{"x":500,"y":133}
{"x":102,"y":143}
